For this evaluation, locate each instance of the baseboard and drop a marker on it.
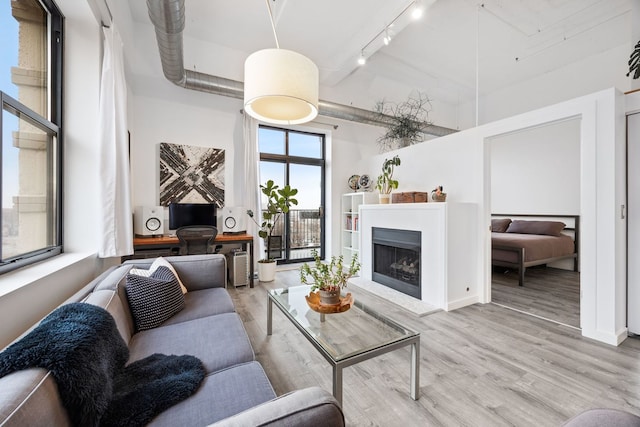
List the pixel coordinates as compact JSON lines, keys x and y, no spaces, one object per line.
{"x":605,"y":337}
{"x":454,"y":305}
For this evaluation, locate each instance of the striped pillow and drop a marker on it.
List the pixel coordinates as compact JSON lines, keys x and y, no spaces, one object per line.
{"x":153,"y":299}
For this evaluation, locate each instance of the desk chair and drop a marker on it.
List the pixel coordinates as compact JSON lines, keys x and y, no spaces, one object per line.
{"x":197,"y":239}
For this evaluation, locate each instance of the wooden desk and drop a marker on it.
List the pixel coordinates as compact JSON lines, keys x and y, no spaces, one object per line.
{"x":170,"y":245}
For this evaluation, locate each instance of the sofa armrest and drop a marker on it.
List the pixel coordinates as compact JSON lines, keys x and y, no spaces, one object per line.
{"x":298,"y":408}
{"x":195,"y":271}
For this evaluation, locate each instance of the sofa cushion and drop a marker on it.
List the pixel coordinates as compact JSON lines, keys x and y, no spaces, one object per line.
{"x":221,"y":395}
{"x":154,"y":299}
{"x":203,"y":303}
{"x":158,"y":262}
{"x":218,"y":341}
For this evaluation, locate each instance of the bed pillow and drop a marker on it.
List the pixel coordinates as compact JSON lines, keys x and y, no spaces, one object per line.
{"x":549,"y":228}
{"x":153,"y":299}
{"x":500,"y":225}
{"x":158,"y":262}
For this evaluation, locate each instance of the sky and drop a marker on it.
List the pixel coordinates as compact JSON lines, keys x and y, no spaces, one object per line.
{"x":305,"y":178}
{"x":8,"y":59}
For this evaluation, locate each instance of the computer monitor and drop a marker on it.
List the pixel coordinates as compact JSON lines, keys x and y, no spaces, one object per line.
{"x":183,"y":214}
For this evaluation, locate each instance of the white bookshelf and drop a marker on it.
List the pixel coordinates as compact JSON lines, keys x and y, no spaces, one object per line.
{"x":350,"y":221}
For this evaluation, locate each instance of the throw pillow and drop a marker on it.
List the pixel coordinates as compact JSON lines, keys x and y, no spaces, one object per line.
{"x":159,"y":262}
{"x":500,"y":225}
{"x":550,"y":228}
{"x":153,"y":299}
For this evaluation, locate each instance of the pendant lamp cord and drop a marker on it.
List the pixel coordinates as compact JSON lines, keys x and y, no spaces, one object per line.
{"x":273,"y":25}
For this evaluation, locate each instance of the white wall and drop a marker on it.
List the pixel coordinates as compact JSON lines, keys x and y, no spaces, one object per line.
{"x":566,"y":83}
{"x":537,"y":171}
{"x":461,"y":163}
{"x":28,"y":294}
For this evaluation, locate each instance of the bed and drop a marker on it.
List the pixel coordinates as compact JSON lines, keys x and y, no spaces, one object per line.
{"x":519,"y":243}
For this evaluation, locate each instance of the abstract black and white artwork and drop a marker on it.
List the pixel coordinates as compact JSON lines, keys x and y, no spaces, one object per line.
{"x":191,"y":174}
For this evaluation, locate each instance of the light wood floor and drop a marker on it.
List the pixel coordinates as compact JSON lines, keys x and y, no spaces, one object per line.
{"x":481,"y":365}
{"x":550,"y":293}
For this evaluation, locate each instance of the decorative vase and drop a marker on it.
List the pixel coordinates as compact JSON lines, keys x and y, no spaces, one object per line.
{"x":384,"y":198}
{"x":330,"y":297}
{"x":267,"y":271}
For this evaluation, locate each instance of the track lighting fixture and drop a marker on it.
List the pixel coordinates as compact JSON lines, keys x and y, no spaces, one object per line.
{"x":362,"y":60}
{"x":387,"y":38}
{"x":417,"y":10}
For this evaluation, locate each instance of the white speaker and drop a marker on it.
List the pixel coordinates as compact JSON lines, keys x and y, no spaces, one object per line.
{"x":234,"y":220}
{"x":148,"y":220}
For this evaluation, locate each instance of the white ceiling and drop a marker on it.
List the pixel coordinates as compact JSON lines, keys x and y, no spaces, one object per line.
{"x":510,"y":40}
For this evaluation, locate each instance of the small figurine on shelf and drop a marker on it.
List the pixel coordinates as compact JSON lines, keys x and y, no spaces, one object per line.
{"x":437,"y":195}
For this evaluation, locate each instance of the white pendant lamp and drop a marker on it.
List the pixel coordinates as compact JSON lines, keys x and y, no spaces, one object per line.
{"x":280,"y":86}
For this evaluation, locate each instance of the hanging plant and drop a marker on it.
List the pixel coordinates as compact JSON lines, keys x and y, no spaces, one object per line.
{"x":634,"y":62}
{"x":406,"y":121}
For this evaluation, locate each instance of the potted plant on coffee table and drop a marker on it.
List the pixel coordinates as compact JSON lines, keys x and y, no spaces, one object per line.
{"x":385,"y":182}
{"x":279,"y":201}
{"x":328,"y":278}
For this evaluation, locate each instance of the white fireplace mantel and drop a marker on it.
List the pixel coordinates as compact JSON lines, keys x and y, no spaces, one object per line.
{"x":449,"y":265}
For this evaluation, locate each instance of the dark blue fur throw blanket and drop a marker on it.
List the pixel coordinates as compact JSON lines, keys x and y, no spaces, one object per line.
{"x":81,"y":346}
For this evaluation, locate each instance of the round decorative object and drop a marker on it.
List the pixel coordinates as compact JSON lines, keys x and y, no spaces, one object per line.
{"x":230,"y":222}
{"x":364,"y":182}
{"x":313,"y":301}
{"x":153,"y":224}
{"x":353,"y":182}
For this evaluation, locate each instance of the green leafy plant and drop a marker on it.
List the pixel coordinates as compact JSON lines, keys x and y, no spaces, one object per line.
{"x":330,"y":276}
{"x":406,"y":121}
{"x":385,"y":182}
{"x":279,"y":201}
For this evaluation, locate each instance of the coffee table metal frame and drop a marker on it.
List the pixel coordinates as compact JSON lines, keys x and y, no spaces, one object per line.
{"x":412,"y":339}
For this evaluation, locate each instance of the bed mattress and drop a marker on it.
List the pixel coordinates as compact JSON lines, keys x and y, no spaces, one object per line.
{"x":536,"y":246}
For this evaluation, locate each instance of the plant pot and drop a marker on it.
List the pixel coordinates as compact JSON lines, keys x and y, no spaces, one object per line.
{"x":329,"y":297}
{"x":266,"y":271}
{"x":384,"y":199}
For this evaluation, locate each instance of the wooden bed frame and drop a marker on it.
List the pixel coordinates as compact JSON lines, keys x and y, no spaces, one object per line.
{"x":521,"y":265}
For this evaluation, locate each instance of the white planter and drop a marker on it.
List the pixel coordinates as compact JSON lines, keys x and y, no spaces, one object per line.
{"x":384,"y":199}
{"x":266,"y":271}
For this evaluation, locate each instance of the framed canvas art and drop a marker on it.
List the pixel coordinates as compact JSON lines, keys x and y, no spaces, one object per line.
{"x":191,"y":174}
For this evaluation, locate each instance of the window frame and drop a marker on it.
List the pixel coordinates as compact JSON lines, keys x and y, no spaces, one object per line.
{"x":287,"y":160}
{"x":54,"y":126}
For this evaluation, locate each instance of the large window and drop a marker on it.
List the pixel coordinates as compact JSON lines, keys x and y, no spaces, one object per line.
{"x":296,"y":158}
{"x":30,"y":131}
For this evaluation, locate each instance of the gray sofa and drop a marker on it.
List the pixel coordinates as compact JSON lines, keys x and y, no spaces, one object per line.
{"x":235,"y":391}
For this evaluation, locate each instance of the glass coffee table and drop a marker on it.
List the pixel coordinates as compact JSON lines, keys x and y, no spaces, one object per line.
{"x":347,"y":338}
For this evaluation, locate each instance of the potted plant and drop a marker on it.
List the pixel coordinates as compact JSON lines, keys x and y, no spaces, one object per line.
{"x":385,"y":182}
{"x":328,"y":279}
{"x":279,"y":201}
{"x":406,"y":121}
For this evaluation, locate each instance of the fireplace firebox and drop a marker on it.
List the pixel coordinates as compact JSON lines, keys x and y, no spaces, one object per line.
{"x":396,"y":259}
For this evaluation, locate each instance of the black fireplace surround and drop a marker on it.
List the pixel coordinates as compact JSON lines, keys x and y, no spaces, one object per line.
{"x":396,"y":259}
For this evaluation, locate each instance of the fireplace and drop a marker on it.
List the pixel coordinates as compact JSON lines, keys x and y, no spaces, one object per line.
{"x":396,"y":259}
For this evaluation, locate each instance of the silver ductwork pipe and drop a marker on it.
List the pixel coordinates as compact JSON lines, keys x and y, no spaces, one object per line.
{"x":167,"y":16}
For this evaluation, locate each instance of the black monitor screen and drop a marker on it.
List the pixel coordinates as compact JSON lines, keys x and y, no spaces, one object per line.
{"x":183,"y":214}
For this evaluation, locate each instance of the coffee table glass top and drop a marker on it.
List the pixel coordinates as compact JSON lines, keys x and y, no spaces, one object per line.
{"x":342,"y":335}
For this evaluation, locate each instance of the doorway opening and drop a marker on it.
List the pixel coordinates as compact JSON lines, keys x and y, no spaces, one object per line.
{"x":536,"y":172}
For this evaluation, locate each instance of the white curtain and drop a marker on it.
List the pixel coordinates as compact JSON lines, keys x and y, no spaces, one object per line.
{"x":116,"y":222}
{"x":251,"y":191}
